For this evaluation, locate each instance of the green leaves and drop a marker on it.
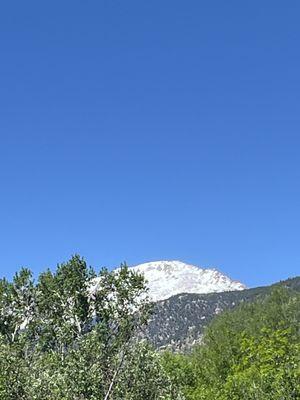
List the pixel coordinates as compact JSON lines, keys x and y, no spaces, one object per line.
{"x":270,"y":363}
{"x":252,"y":353}
{"x":63,"y":340}
{"x":64,"y":308}
{"x":17,"y":305}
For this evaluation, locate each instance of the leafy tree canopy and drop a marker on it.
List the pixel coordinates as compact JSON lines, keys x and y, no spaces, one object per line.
{"x":71,"y":336}
{"x":251,"y":353}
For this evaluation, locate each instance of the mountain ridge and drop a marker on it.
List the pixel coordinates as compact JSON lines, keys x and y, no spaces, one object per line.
{"x":179,"y":321}
{"x":166,"y":278}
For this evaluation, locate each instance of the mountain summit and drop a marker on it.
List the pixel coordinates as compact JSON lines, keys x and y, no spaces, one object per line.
{"x":168,"y":278}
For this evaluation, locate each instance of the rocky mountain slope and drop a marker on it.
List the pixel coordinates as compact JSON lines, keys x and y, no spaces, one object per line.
{"x":179,"y":322}
{"x":186,"y":298}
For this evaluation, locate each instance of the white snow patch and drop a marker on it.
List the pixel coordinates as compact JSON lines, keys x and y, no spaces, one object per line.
{"x":168,"y":278}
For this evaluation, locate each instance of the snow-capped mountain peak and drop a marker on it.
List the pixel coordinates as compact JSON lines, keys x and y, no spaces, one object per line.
{"x":168,"y":278}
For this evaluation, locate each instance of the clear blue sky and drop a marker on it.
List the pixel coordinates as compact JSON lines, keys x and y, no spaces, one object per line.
{"x":144,"y":130}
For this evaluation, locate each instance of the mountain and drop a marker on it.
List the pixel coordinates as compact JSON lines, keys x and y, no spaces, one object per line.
{"x":169,"y":278}
{"x":179,"y":321}
{"x":186,"y":298}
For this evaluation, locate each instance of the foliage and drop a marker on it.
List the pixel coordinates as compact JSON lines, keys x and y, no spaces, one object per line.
{"x":252,"y":353}
{"x":72,"y":337}
{"x":180,"y":321}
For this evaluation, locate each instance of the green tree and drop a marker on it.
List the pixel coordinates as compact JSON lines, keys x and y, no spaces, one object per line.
{"x":74,"y":336}
{"x":251,"y":353}
{"x":269,"y":367}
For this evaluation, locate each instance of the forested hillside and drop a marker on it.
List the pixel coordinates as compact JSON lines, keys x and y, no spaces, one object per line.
{"x":251,"y":353}
{"x":179,"y":322}
{"x":60,"y":339}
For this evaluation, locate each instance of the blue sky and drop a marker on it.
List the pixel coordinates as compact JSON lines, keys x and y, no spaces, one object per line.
{"x":137,"y":131}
